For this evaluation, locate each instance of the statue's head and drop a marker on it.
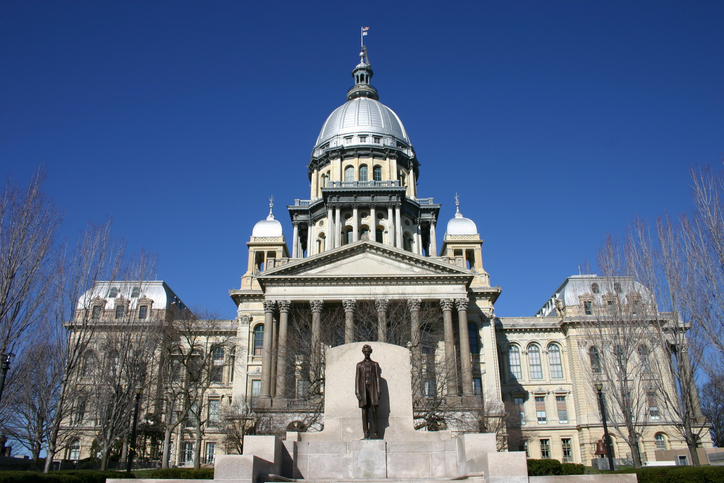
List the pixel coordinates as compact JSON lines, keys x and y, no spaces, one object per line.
{"x":366,"y":349}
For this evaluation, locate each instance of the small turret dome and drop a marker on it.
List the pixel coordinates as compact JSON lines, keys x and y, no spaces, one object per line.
{"x":459,"y":225}
{"x":269,"y":227}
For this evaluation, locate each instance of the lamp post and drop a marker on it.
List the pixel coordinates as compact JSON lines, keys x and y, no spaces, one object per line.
{"x":4,"y":370}
{"x":132,"y":444}
{"x":606,"y":437}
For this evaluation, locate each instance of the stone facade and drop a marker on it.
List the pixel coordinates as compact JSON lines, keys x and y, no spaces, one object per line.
{"x":364,"y":266}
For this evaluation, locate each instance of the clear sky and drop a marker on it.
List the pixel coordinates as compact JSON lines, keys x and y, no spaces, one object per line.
{"x":555,"y":121}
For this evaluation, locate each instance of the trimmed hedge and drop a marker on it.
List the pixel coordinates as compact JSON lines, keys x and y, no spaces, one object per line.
{"x":73,"y":476}
{"x":550,"y":467}
{"x":679,"y":474}
{"x":185,"y":473}
{"x":544,"y":467}
{"x":572,"y":469}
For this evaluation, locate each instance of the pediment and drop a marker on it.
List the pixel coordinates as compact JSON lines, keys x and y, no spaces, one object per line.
{"x":365,"y":259}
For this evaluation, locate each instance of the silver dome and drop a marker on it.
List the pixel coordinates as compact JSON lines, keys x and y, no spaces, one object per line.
{"x":267,"y":228}
{"x":365,"y":116}
{"x":460,"y":225}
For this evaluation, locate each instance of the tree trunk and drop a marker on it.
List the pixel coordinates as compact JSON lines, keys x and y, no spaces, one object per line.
{"x":166,"y":447}
{"x":197,"y":445}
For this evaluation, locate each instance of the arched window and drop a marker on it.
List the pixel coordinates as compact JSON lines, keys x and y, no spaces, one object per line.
{"x":473,"y":336}
{"x":363,"y":173}
{"x":536,"y":370}
{"x":644,"y":358}
{"x":595,"y":359}
{"x":349,"y":173}
{"x":377,"y":173}
{"x":660,"y":441}
{"x":324,"y":180}
{"x":514,"y":363}
{"x":258,"y":340}
{"x":74,"y":453}
{"x":554,"y":357}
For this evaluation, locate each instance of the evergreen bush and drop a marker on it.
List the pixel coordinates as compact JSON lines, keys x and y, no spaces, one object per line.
{"x":544,"y":467}
{"x":185,"y":473}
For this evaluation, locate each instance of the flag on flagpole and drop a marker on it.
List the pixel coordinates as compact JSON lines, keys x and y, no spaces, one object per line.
{"x":364,"y":30}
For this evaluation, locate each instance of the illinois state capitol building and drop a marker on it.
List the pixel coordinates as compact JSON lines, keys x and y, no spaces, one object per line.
{"x":363,"y":263}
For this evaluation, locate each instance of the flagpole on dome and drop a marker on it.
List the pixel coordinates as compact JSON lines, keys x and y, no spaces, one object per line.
{"x":363,"y":34}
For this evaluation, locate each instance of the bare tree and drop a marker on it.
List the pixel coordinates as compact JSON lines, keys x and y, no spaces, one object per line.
{"x":28,"y":226}
{"x":712,"y":402}
{"x":33,"y":401}
{"x":237,"y":420}
{"x":193,"y":356}
{"x":95,"y":256}
{"x":662,"y":262}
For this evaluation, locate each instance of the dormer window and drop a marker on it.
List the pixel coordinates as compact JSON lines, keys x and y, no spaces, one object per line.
{"x":119,"y":311}
{"x":96,"y":313}
{"x":113,"y":293}
{"x":143,"y":312}
{"x":594,"y":288}
{"x":135,"y":292}
{"x":617,"y":287}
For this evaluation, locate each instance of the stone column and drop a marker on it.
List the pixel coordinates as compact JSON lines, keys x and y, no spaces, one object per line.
{"x":355,"y":224}
{"x":316,"y":355}
{"x":274,"y":352}
{"x":266,"y":359}
{"x":433,"y":238}
{"x":398,"y":227}
{"x":348,"y":320}
{"x":284,"y":306}
{"x":390,"y":227}
{"x":338,"y":225}
{"x":465,"y":365}
{"x":330,"y":228}
{"x":295,"y":238}
{"x":373,"y":223}
{"x":381,"y":305}
{"x":450,"y":377}
{"x":310,"y":238}
{"x":418,"y":238}
{"x":414,"y":306}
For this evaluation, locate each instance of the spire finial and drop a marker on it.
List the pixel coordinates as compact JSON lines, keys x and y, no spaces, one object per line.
{"x":363,"y":34}
{"x":457,"y":207}
{"x":362,"y":74}
{"x":271,"y":208}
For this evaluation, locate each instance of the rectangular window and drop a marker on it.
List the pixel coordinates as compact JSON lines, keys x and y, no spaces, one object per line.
{"x":524,"y":447}
{"x":210,"y":453}
{"x":567,"y":450}
{"x":653,"y":406}
{"x":363,"y":139}
{"x":302,"y":388}
{"x":119,"y":312}
{"x":142,"y":312}
{"x":562,"y":410}
{"x":217,"y":366}
{"x":376,"y":140}
{"x":214,"y":412}
{"x":588,"y":307}
{"x":545,"y":448}
{"x":96,"y":312}
{"x":187,"y":454}
{"x":477,"y":386}
{"x":554,"y":355}
{"x":430,"y":390}
{"x":255,"y":390}
{"x":518,"y":402}
{"x":540,"y":409}
{"x":514,"y":363}
{"x":536,"y":370}
{"x":80,"y":411}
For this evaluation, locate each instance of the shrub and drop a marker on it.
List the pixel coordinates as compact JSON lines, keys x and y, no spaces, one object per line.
{"x":544,"y":467}
{"x":679,"y":474}
{"x":183,"y":473}
{"x":572,"y":469}
{"x":73,"y":476}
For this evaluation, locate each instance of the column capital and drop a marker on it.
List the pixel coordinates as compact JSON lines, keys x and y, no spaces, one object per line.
{"x":284,"y":305}
{"x":462,"y":303}
{"x":316,"y":305}
{"x":269,"y":305}
{"x":349,"y":305}
{"x":446,"y":304}
{"x":414,"y":304}
{"x":381,"y":305}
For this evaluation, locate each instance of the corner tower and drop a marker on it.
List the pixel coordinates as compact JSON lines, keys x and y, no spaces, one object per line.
{"x":363,"y":174}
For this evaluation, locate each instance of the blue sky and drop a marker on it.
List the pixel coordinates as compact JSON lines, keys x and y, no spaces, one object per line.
{"x":556,"y":121}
